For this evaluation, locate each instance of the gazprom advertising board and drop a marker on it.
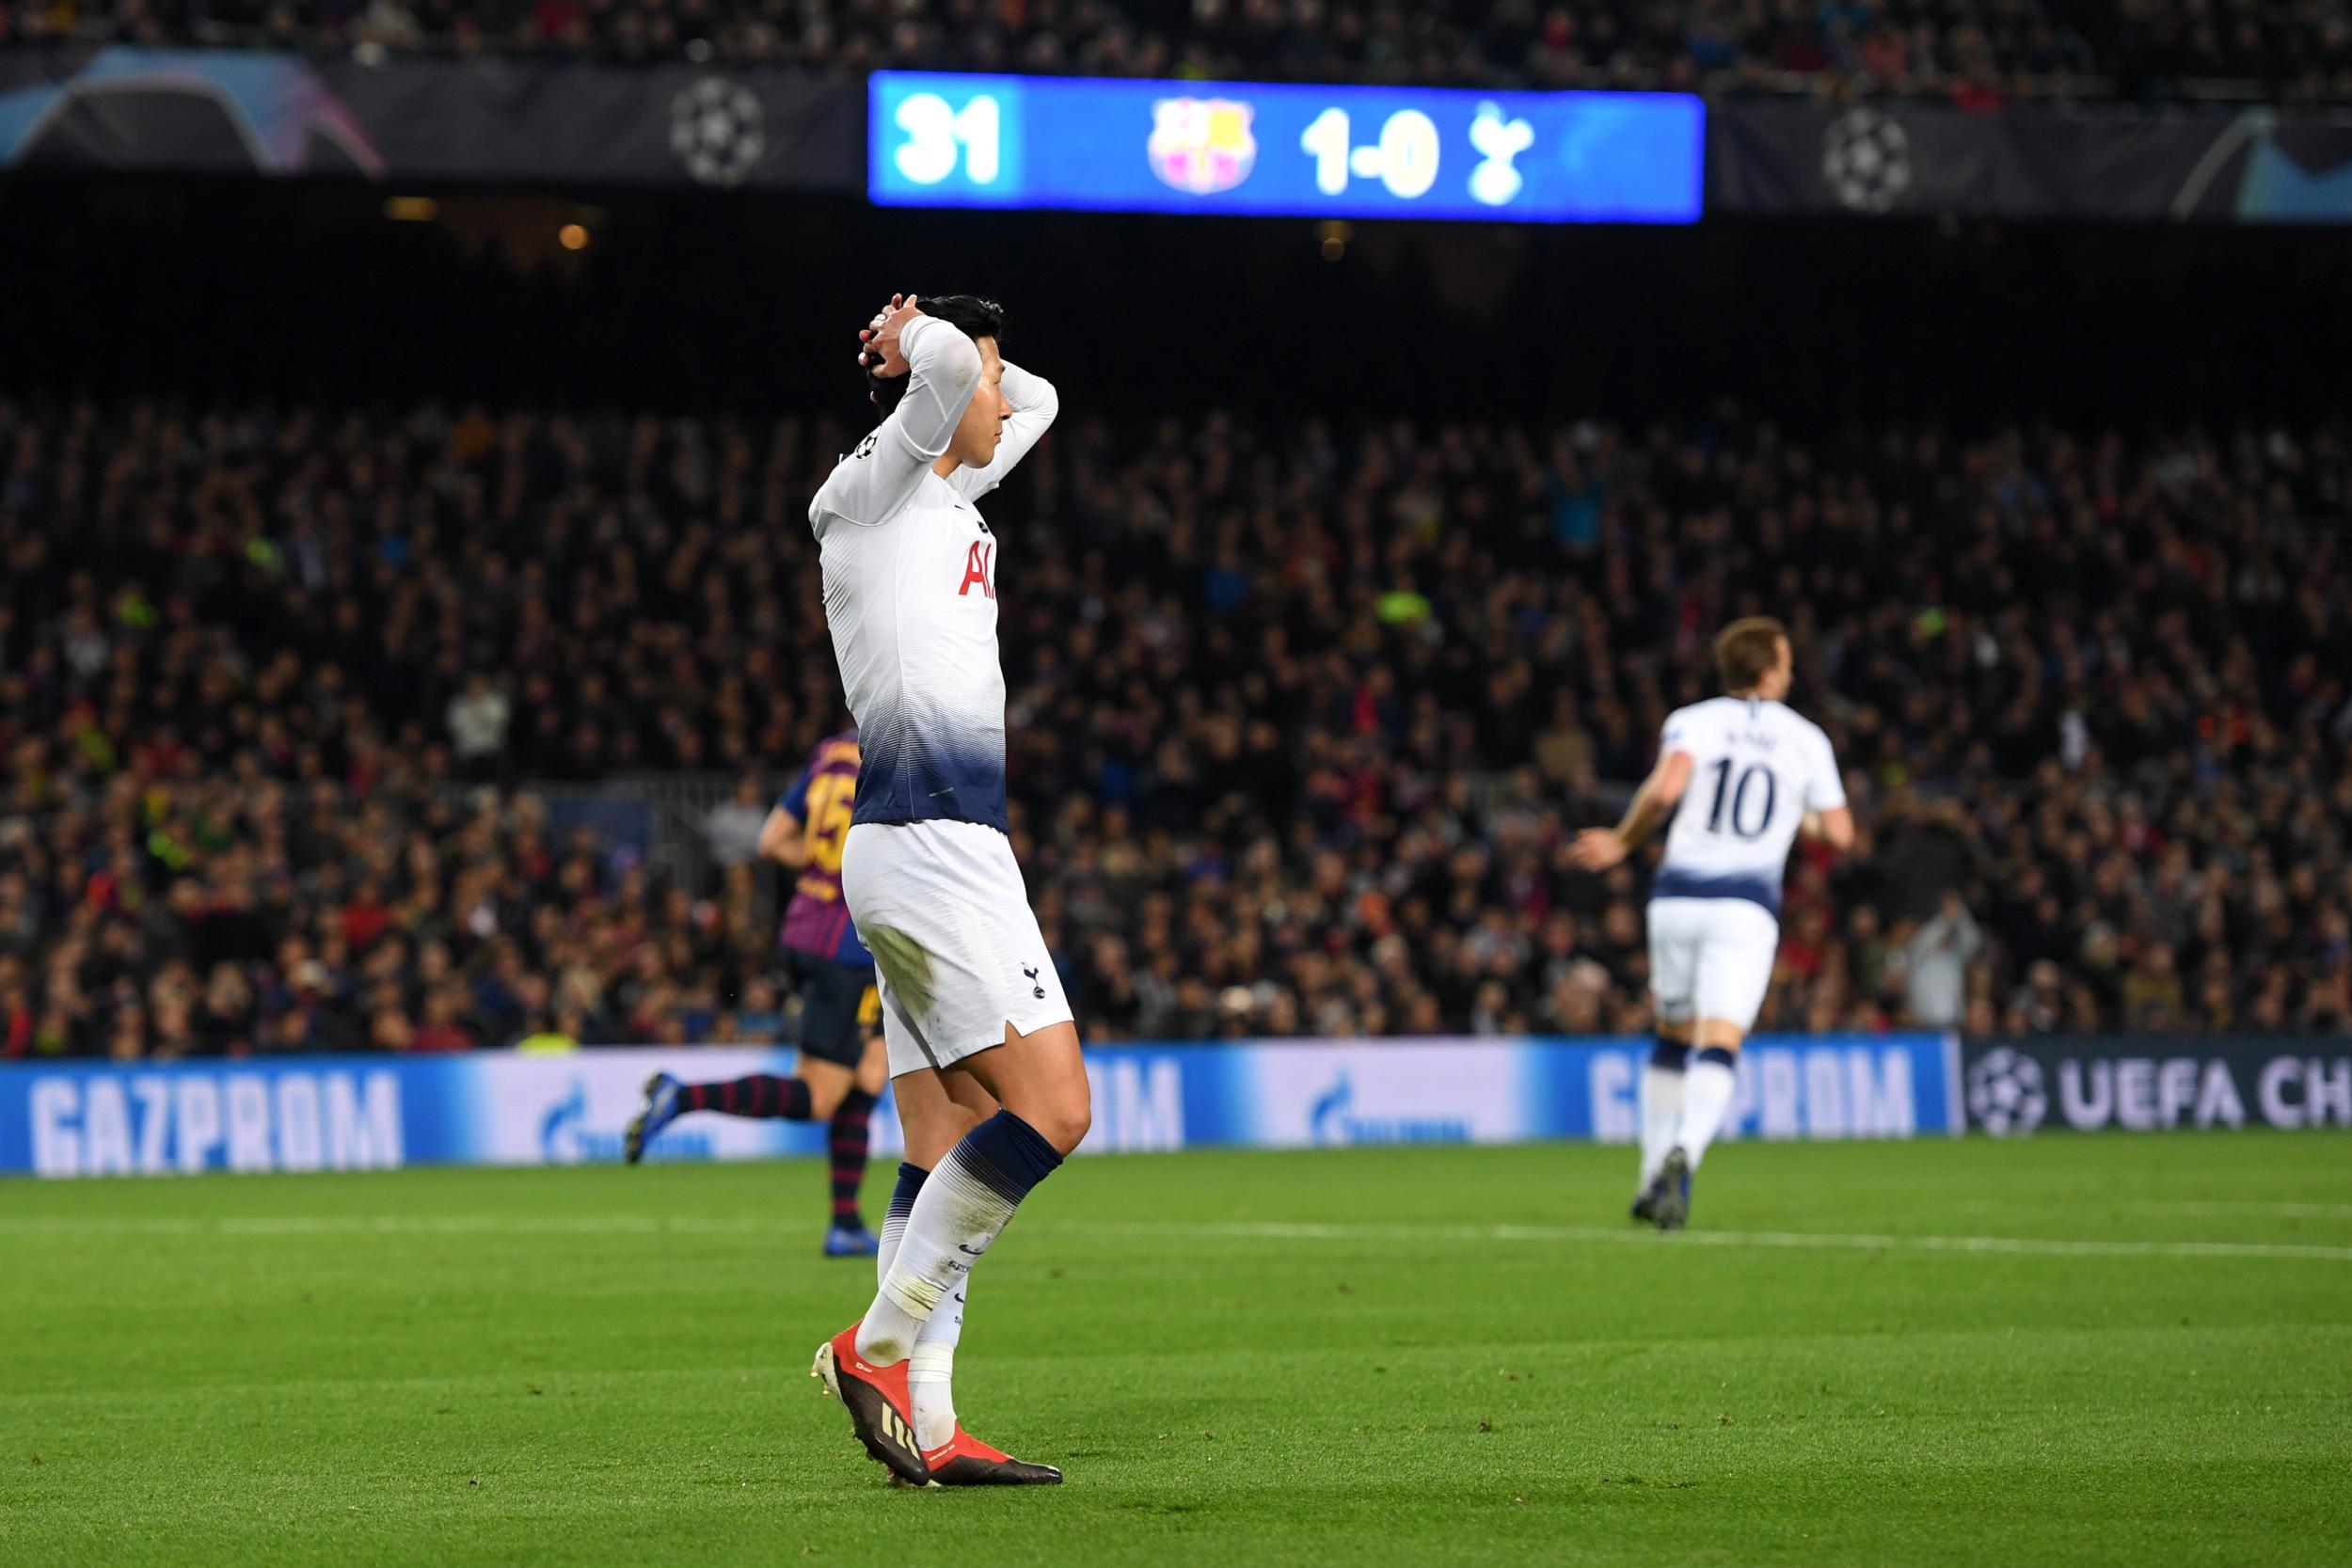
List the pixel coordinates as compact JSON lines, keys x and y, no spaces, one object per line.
{"x":501,"y":1108}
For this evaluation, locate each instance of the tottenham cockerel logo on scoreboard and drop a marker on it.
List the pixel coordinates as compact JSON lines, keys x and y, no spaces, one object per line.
{"x":1201,"y":146}
{"x":717,"y":127}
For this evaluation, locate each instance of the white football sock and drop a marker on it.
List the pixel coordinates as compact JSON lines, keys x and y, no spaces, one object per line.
{"x":1662,"y":1112}
{"x":1706,"y":1097}
{"x":931,"y":1369}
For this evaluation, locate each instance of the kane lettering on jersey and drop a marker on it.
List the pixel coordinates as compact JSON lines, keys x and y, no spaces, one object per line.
{"x":818,"y":922}
{"x":911,"y":588}
{"x":1756,"y":767}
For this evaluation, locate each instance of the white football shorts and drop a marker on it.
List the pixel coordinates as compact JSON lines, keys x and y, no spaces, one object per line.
{"x":957,"y":950}
{"x":1711,"y":957}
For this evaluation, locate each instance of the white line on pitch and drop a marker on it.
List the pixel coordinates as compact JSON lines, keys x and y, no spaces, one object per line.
{"x":395,"y":1225}
{"x":691,"y":1224}
{"x":2024,"y":1245}
{"x":2249,"y":1206}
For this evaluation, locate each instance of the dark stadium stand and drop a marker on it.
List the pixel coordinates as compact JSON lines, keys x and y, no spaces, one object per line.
{"x":1976,"y":51}
{"x":1302,"y":719}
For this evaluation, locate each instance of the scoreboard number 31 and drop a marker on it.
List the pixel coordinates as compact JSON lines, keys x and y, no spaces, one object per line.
{"x":938,"y":135}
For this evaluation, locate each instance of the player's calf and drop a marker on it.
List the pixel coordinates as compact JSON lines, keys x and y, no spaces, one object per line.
{"x":761,"y":1096}
{"x":847,"y":1138}
{"x":1706,"y":1100}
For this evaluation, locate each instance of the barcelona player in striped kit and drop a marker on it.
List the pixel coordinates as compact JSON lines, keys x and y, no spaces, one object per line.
{"x":843,"y":1064}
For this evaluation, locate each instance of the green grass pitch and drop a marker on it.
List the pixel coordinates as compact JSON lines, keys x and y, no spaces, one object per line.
{"x":2119,"y":1350}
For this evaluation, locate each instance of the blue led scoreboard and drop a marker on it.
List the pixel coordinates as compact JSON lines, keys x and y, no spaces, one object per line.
{"x":1240,"y":147}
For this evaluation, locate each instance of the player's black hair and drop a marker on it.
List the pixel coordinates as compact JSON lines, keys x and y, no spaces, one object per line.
{"x":975,"y":317}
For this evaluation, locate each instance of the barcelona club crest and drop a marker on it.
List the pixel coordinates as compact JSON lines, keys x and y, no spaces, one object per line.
{"x":1201,"y":146}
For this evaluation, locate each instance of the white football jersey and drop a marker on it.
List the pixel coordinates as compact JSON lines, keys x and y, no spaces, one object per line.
{"x":1757,"y":767}
{"x":911,"y":590}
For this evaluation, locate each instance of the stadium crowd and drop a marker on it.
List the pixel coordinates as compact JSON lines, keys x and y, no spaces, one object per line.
{"x":1976,"y":51}
{"x":1302,"y":719}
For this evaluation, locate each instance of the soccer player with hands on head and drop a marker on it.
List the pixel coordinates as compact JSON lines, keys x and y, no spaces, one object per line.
{"x":983,"y":1051}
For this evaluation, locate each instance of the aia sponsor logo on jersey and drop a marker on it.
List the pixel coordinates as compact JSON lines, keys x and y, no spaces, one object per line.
{"x":979,"y":564}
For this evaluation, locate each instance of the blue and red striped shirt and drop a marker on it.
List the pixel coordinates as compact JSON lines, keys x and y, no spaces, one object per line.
{"x":818,"y":922}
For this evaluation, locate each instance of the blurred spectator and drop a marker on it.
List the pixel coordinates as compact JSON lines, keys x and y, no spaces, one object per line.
{"x":2152,"y":994}
{"x":478,"y":719}
{"x":732,"y":828}
{"x":1935,"y":964}
{"x":444,"y":1029}
{"x":552,"y":1037}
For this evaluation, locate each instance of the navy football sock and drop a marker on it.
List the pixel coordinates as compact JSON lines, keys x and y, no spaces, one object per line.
{"x":902,"y":1196}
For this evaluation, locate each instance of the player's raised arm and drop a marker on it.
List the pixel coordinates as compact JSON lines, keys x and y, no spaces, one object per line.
{"x":1599,"y":848}
{"x":943,"y":368}
{"x":1030,"y":403}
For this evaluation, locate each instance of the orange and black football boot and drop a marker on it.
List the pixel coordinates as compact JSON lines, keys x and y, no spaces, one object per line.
{"x":963,"y":1460}
{"x":876,"y":1398}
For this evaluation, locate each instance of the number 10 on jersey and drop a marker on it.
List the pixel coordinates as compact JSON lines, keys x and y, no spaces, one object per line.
{"x":1735,"y":796}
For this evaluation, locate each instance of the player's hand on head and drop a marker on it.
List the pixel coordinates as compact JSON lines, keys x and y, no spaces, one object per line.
{"x":866,"y":334}
{"x":879,"y":339}
{"x":1598,"y":848}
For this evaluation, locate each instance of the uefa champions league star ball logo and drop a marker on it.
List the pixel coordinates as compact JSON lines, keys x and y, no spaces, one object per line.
{"x":1866,"y":157}
{"x":716,"y":127}
{"x":2005,"y":1092}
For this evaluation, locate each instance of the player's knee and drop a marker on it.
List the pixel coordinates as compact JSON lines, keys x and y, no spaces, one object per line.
{"x":1063,"y":1118}
{"x":1718,"y":1035}
{"x":938,"y":1128}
